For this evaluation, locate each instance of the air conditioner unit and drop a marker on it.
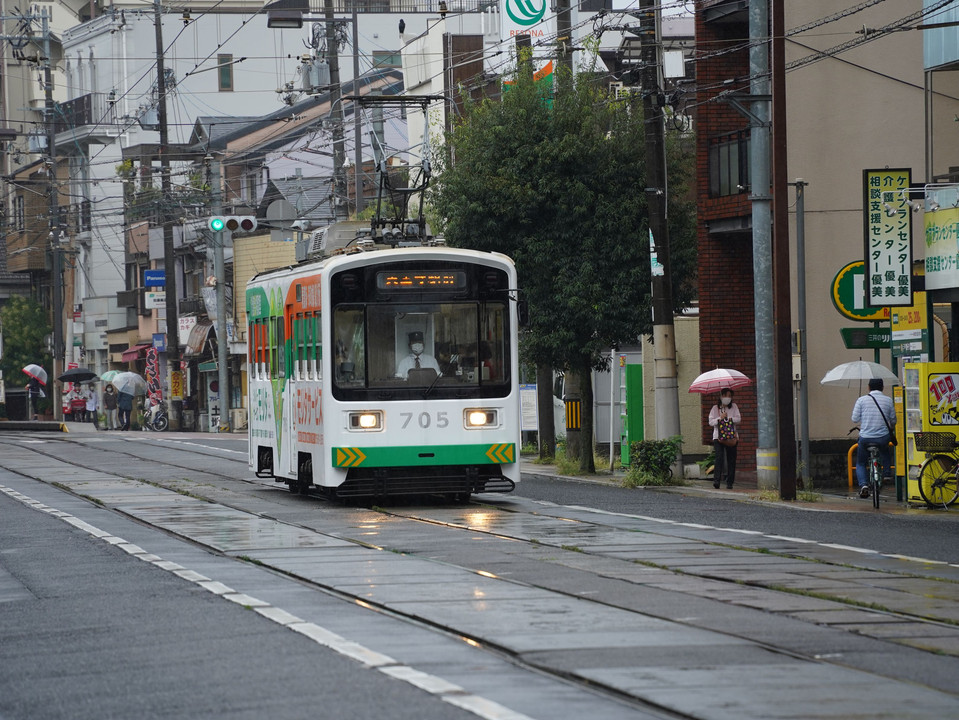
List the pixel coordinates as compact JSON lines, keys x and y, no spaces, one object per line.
{"x":238,"y":418}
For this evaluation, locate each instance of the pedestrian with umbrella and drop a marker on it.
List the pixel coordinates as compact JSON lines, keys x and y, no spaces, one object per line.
{"x":38,"y":377}
{"x":128,"y":385}
{"x":724,"y":419}
{"x":124,"y":408}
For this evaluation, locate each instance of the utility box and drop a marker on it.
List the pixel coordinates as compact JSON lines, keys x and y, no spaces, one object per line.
{"x":632,"y":402}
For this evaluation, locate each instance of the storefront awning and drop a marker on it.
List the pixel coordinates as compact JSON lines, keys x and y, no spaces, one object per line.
{"x":198,"y":336}
{"x":134,"y":351}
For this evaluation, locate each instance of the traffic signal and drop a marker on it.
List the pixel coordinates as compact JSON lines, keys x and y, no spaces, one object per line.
{"x":233,"y":223}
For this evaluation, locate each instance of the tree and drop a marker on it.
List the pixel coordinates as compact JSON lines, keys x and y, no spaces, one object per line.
{"x":556,"y":180}
{"x":25,"y":328}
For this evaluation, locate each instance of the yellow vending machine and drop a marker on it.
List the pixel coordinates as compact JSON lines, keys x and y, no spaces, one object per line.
{"x":930,"y":405}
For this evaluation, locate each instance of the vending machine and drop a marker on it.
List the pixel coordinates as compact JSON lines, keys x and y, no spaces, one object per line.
{"x":930,"y":403}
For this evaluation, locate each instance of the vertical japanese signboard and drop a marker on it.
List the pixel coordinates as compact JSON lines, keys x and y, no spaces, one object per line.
{"x":942,"y":248}
{"x":888,"y":236}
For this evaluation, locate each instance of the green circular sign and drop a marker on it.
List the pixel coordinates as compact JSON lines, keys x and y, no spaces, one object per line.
{"x":849,"y":294}
{"x":525,"y":12}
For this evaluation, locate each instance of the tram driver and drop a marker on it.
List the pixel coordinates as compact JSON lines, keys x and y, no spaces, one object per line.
{"x":417,"y":358}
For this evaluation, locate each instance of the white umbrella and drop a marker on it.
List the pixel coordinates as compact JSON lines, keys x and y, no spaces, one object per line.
{"x":717,"y":379}
{"x":852,"y":374}
{"x":130,"y":383}
{"x":37,"y":373}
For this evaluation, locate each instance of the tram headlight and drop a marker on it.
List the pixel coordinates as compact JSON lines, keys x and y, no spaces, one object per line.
{"x":475,"y":418}
{"x":366,"y":420}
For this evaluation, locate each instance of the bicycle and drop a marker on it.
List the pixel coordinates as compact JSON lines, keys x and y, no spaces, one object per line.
{"x":873,"y":469}
{"x":939,"y":474}
{"x":875,"y":472}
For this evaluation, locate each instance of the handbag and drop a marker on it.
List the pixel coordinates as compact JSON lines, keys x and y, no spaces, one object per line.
{"x":727,"y":432}
{"x":892,"y":434}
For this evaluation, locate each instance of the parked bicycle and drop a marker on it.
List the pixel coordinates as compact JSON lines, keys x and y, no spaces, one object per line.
{"x":156,"y":418}
{"x":939,"y":474}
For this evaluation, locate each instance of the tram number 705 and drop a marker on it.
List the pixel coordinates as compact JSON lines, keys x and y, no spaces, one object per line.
{"x":425,"y":419}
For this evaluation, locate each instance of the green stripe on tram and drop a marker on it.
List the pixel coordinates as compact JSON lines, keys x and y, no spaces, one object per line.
{"x":404,"y":456}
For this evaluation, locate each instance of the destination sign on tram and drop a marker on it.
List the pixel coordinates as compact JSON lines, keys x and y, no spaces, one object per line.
{"x":421,"y":280}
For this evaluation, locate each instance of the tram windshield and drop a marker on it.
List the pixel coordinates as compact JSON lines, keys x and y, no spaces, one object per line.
{"x":441,"y":345}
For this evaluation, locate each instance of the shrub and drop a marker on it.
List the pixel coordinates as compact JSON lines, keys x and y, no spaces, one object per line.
{"x":651,"y":461}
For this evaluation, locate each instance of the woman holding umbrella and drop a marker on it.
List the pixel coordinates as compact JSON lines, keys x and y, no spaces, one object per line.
{"x":724,"y":417}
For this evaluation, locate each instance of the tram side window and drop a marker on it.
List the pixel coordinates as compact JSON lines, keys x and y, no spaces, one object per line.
{"x":493,"y":349}
{"x":299,"y":348}
{"x":258,"y":344}
{"x":251,"y":348}
{"x":278,"y":349}
{"x":313,"y":347}
{"x":264,"y":349}
{"x":349,"y":359}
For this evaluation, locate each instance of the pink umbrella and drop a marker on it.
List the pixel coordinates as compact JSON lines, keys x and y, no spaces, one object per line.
{"x":717,"y":379}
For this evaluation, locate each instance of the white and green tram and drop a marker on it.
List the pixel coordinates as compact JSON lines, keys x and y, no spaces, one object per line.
{"x":386,"y":372}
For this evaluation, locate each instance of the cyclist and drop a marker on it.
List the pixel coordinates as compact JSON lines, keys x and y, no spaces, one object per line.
{"x":876,"y":416}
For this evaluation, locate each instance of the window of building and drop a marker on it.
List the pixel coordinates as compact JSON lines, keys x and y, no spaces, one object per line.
{"x":729,"y":164}
{"x":224,"y":64}
{"x":387,"y":59}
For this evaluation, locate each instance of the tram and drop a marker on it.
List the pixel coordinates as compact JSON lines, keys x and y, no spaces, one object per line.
{"x":386,"y":372}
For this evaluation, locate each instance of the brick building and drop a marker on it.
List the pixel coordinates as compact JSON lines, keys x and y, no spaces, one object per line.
{"x":727,"y":327}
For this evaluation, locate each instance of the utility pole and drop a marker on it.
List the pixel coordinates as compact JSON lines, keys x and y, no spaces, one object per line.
{"x":664,"y":338}
{"x":564,"y":35}
{"x":767,"y":452}
{"x":169,"y":259}
{"x":54,"y":219}
{"x":222,"y":336}
{"x":357,"y":121}
{"x":782,"y":308}
{"x":801,"y":335}
{"x":340,"y":204}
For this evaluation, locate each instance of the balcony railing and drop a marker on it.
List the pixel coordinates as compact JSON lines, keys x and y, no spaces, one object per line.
{"x":317,"y":7}
{"x":83,"y":111}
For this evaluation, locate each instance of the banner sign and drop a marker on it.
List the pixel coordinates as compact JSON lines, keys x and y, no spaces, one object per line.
{"x":888,"y":237}
{"x":942,"y":248}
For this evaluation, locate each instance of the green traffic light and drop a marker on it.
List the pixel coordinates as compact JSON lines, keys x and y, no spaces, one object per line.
{"x":216,"y":224}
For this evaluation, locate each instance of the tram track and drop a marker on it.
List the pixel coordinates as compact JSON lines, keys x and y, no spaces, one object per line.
{"x":577,"y":540}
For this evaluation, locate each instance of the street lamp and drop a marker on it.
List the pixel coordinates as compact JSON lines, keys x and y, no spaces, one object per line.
{"x":286,"y":13}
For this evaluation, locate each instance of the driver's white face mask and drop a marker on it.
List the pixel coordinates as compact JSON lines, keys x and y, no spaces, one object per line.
{"x":417,"y":348}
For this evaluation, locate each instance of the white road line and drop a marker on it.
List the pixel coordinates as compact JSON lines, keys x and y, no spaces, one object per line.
{"x":699,"y":526}
{"x":436,"y":686}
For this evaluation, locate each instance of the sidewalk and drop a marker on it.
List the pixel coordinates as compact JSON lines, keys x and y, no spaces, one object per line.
{"x":746,"y":490}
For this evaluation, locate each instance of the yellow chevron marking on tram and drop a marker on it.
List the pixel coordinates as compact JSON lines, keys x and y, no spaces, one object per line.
{"x":349,"y":457}
{"x":501,"y":452}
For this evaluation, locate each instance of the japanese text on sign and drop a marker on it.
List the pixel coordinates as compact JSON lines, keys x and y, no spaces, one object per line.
{"x":888,"y":237}
{"x":942,"y":248}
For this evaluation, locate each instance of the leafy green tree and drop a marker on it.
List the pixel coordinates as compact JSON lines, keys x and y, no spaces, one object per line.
{"x":25,"y":327}
{"x":559,"y":184}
